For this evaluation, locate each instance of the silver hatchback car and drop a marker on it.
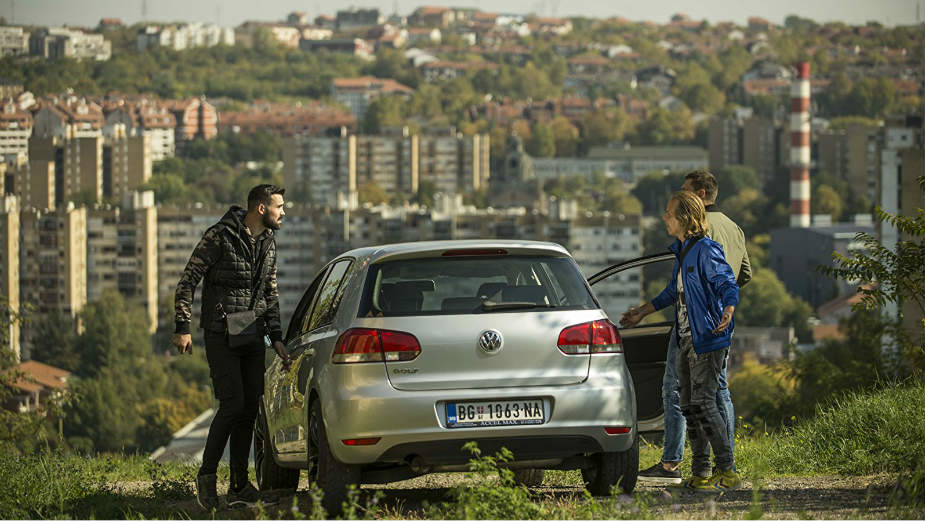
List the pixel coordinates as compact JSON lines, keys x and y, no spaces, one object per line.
{"x":400,"y":354}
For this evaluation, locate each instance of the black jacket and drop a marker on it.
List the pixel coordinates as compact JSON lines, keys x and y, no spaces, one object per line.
{"x":237,"y":270}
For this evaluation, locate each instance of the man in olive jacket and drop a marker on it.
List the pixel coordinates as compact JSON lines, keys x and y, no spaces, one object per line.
{"x":236,"y":258}
{"x":730,"y":236}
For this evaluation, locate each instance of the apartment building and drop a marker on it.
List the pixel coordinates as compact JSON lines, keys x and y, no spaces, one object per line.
{"x":184,"y":36}
{"x":355,"y":46}
{"x":122,"y":252}
{"x":61,"y":42}
{"x":194,"y":117}
{"x":53,"y":259}
{"x":68,"y":117}
{"x":15,"y":128}
{"x":144,"y":117}
{"x":902,"y":161}
{"x":9,"y":270}
{"x":14,"y":41}
{"x":631,"y":163}
{"x":322,"y":170}
{"x":127,"y":163}
{"x":77,"y":170}
{"x":755,"y":142}
{"x":852,"y":155}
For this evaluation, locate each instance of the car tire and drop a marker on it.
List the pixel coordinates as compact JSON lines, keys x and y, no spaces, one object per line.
{"x":270,"y":476}
{"x":529,"y":477}
{"x":610,"y":469}
{"x":324,"y":470}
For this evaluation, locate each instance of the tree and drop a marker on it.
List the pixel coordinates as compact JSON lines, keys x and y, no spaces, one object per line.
{"x":891,"y":275}
{"x":372,"y":193}
{"x":543,"y":142}
{"x":665,"y":127}
{"x":55,"y":341}
{"x":765,"y":302}
{"x":827,"y":201}
{"x":566,"y":137}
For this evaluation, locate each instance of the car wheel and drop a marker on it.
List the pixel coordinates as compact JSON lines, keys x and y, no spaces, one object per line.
{"x":610,"y":469}
{"x":270,"y":476}
{"x":529,"y":477}
{"x":324,"y":470}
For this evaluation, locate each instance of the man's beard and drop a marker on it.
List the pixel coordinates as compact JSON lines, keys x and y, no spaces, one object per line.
{"x":268,"y":222}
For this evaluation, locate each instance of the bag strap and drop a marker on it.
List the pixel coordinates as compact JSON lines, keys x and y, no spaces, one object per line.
{"x":693,"y":240}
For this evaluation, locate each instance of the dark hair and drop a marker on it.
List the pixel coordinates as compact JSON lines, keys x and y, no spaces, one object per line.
{"x":262,"y":194}
{"x":702,"y":179}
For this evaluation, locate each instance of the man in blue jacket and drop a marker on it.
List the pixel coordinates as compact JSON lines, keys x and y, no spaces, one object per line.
{"x":704,"y":291}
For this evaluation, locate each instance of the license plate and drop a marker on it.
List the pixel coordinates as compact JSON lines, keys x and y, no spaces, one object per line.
{"x":501,"y":412}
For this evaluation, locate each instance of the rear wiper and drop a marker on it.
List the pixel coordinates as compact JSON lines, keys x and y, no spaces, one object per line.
{"x":501,"y":306}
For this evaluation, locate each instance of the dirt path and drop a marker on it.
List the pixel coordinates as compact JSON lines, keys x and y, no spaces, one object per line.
{"x":820,"y":497}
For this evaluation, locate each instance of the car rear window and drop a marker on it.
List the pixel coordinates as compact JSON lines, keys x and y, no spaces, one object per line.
{"x":482,"y":284}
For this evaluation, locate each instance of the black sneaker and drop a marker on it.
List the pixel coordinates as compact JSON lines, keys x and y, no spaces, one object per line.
{"x":658,"y":474}
{"x":247,"y":495}
{"x":206,"y":495}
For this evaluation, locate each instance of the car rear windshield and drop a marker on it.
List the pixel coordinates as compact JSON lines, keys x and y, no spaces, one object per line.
{"x":482,"y":284}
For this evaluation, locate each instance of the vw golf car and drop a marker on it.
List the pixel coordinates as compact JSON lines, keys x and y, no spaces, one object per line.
{"x":400,"y":354}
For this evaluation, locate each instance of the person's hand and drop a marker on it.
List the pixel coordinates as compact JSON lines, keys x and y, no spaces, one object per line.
{"x":726,"y":320}
{"x":281,"y":352}
{"x":183,"y":342}
{"x":631,"y":317}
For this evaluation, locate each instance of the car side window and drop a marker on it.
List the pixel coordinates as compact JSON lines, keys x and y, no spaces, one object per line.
{"x":298,"y":317}
{"x":329,"y":297}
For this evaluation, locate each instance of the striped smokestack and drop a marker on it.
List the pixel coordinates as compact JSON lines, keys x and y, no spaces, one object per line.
{"x":799,"y":148}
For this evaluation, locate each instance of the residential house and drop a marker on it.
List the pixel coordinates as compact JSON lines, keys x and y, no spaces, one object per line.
{"x":358,"y":93}
{"x":352,"y":19}
{"x":355,"y":46}
{"x":427,"y":16}
{"x":448,"y":70}
{"x":36,"y":385}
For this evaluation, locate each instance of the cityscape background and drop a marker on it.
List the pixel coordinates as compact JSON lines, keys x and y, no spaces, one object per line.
{"x":122,"y":141}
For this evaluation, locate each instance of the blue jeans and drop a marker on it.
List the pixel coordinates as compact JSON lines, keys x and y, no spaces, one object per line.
{"x":675,"y":424}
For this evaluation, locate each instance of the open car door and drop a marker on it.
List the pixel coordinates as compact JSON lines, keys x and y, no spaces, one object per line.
{"x":632,"y":283}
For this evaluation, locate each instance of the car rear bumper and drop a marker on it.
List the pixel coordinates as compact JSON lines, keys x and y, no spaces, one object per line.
{"x":413,"y":423}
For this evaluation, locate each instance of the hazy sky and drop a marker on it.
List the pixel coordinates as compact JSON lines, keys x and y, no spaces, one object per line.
{"x":233,"y":12}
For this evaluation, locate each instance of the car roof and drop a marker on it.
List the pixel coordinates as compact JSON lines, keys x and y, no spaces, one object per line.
{"x":414,"y":249}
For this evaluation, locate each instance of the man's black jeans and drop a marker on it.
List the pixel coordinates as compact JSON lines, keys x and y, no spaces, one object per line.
{"x":237,"y":379}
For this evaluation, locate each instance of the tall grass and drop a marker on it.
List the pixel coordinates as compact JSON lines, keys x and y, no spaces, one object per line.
{"x":865,"y":432}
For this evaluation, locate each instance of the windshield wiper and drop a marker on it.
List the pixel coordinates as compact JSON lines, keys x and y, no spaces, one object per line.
{"x":502,"y":306}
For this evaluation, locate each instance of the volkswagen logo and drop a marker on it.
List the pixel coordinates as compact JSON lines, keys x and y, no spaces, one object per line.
{"x":490,"y":341}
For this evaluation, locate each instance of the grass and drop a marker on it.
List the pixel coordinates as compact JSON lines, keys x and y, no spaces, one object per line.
{"x":859,"y":434}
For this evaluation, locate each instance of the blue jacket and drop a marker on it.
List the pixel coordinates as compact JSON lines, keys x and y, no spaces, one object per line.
{"x":709,"y":286}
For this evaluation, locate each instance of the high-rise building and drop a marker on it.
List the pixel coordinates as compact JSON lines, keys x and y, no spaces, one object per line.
{"x":326,"y":170}
{"x":851,"y":154}
{"x":122,"y":252}
{"x":126,"y":162}
{"x":9,"y":270}
{"x":53,"y":259}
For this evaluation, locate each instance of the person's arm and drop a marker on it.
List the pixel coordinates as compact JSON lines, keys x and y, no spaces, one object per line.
{"x":271,"y":297}
{"x":720,"y":276}
{"x":745,"y":270}
{"x":204,"y":255}
{"x":632,"y":316}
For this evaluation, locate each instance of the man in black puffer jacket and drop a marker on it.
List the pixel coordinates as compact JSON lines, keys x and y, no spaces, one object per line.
{"x":237,"y":259}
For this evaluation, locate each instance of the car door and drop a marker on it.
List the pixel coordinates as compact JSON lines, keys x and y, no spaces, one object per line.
{"x":315,"y":327}
{"x":279,"y":381}
{"x":632,"y":283}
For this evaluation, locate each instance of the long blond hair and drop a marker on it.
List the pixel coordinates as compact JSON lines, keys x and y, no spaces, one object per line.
{"x":690,"y":212}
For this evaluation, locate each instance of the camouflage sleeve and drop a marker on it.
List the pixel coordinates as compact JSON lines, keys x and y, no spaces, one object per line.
{"x":204,"y":255}
{"x":271,"y":316}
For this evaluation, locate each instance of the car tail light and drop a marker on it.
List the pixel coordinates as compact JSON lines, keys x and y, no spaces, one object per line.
{"x":600,"y":336}
{"x":353,"y":442}
{"x":361,"y":345}
{"x":615,"y":430}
